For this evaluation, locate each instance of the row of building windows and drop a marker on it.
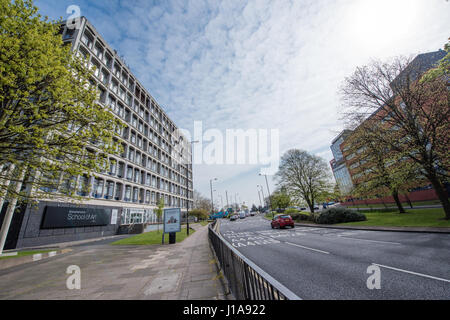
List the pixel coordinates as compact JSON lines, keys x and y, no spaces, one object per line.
{"x":148,"y":137}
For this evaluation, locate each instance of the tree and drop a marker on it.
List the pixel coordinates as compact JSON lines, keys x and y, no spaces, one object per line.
{"x":304,"y":176}
{"x":411,"y":98}
{"x":280,"y":199}
{"x":201,"y":214}
{"x":159,"y":210}
{"x":201,"y":202}
{"x":49,"y":112}
{"x":254,"y":208}
{"x":380,"y":171}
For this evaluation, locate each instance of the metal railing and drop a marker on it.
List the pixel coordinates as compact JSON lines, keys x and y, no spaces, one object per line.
{"x":246,"y":280}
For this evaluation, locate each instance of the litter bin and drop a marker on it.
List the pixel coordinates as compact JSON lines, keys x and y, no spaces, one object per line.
{"x":172,"y":238}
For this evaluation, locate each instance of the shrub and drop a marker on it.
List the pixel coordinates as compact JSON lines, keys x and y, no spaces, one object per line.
{"x":299,"y":216}
{"x":291,"y":211}
{"x":199,"y":213}
{"x":338,"y":215}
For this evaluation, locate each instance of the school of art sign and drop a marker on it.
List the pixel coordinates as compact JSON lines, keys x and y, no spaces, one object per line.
{"x":72,"y":217}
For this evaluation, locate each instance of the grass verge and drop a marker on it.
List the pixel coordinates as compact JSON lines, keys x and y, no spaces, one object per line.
{"x":25,"y":253}
{"x":412,"y":218}
{"x":152,"y":237}
{"x":404,"y":204}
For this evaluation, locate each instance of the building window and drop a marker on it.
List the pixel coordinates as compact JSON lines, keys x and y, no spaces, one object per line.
{"x":97,"y":190}
{"x":128,"y":193}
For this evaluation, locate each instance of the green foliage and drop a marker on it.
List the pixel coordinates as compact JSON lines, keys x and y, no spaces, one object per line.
{"x":49,"y":109}
{"x":304,"y":177}
{"x":160,"y":209}
{"x":280,"y":200}
{"x":201,"y":214}
{"x":291,"y":211}
{"x":297,"y":216}
{"x":338,"y":215}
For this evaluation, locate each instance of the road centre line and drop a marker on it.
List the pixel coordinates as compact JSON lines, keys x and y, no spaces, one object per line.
{"x":386,"y":242}
{"x":307,"y":248}
{"x":411,"y":272}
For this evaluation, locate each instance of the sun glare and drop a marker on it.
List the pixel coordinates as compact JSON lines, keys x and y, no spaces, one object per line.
{"x":381,"y":22}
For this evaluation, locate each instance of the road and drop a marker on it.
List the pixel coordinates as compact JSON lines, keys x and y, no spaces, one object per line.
{"x":326,"y":263}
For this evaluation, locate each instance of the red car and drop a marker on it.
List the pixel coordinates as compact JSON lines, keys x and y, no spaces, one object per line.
{"x":281,"y":221}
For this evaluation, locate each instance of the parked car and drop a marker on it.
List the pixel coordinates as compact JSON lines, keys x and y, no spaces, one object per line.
{"x":233,"y":217}
{"x":252,"y":214}
{"x":281,"y":221}
{"x":242,"y":215}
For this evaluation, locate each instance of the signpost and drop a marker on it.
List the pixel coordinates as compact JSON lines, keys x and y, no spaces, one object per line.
{"x":172,"y":223}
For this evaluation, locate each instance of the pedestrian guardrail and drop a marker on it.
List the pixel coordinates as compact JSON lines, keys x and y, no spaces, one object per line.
{"x":246,"y":280}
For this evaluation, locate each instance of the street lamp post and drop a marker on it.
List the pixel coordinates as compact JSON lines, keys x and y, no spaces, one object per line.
{"x":262,"y":192}
{"x":268,"y":190}
{"x":226,"y":194}
{"x":259,"y":196}
{"x":187,"y":204}
{"x":212,"y":200}
{"x":221,"y":200}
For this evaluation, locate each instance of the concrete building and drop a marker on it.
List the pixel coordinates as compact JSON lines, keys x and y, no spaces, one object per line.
{"x":156,"y":162}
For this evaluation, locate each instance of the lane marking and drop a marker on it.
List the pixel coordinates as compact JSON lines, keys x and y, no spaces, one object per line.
{"x":411,"y":272}
{"x":297,"y":245}
{"x":387,"y":242}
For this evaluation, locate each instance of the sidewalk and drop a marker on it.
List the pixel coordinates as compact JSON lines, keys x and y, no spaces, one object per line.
{"x":184,"y":271}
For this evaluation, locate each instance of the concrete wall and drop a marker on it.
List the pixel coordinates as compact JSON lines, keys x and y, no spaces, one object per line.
{"x":32,"y":235}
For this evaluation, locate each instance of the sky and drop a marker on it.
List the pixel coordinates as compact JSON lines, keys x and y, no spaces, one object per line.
{"x":257,"y":65}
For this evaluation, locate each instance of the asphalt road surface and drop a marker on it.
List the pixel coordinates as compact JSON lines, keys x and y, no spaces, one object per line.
{"x":325,"y":263}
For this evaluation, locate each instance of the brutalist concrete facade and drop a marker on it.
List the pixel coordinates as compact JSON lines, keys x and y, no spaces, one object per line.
{"x":156,"y":162}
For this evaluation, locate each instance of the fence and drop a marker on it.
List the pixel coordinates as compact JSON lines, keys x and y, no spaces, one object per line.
{"x":246,"y":280}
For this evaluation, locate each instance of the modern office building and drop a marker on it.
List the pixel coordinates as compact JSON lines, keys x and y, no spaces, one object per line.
{"x":349,"y":165}
{"x":156,"y":161}
{"x":338,"y":165}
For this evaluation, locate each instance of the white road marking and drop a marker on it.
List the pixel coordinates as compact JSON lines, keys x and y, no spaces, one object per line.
{"x":297,"y":245}
{"x":411,"y":272}
{"x":387,"y":242}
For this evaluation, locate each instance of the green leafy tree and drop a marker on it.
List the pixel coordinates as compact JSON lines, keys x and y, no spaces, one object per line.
{"x":280,"y":199}
{"x":304,"y":176}
{"x":160,"y":210}
{"x":200,"y":214}
{"x":49,"y":112}
{"x":381,"y":172}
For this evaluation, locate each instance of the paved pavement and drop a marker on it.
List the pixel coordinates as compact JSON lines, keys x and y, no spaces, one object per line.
{"x":185,"y":270}
{"x":327,"y":263}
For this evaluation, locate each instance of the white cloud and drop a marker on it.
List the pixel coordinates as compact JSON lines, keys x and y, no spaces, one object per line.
{"x":261,"y":64}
